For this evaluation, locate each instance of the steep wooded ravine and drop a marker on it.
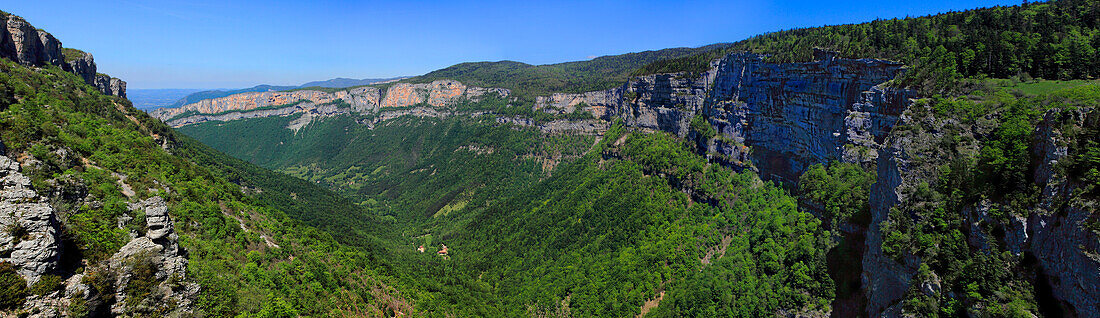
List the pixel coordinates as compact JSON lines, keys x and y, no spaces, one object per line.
{"x":779,"y":119}
{"x":983,"y":201}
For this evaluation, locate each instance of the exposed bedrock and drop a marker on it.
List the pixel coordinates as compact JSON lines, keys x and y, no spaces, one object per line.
{"x":1055,"y":232}
{"x":29,"y":239}
{"x":359,"y":100}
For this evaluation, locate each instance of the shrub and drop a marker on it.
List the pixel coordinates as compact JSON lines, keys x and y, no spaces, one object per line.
{"x":841,"y":190}
{"x":13,"y":288}
{"x":46,"y":285}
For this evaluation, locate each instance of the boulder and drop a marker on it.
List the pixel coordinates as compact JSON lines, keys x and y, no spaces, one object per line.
{"x":28,"y":225}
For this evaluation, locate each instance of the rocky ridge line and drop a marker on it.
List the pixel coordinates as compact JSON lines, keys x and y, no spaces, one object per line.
{"x":23,"y":43}
{"x":317,"y":103}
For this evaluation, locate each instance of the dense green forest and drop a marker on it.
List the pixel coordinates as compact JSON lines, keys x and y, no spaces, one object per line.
{"x":406,"y":168}
{"x":601,"y":234}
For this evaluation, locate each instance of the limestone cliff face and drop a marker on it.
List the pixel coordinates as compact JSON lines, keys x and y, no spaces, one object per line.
{"x":793,"y":115}
{"x":23,"y":43}
{"x":1055,"y":232}
{"x":110,"y":85}
{"x":664,"y":102}
{"x":360,"y":100}
{"x":83,"y":66}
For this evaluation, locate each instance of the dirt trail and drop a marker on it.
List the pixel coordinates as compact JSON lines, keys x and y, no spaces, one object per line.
{"x":719,"y":249}
{"x":650,"y":304}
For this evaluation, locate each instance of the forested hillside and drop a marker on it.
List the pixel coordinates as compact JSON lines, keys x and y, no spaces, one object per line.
{"x":607,"y":230}
{"x":90,"y":156}
{"x":528,"y":81}
{"x":950,"y":193}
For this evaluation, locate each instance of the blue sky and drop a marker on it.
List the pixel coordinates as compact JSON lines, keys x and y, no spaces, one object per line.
{"x":227,"y":43}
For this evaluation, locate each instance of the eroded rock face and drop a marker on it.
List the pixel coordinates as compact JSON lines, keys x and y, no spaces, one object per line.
{"x":83,"y":67}
{"x":110,"y":85}
{"x":316,"y":103}
{"x":156,"y":258}
{"x":23,"y":43}
{"x":28,"y":225}
{"x":884,"y":279}
{"x":793,"y":114}
{"x":664,"y":102}
{"x":799,"y":114}
{"x":1056,"y":233}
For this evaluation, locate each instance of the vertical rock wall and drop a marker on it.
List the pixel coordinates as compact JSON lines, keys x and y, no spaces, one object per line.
{"x":1055,"y":232}
{"x":784,"y":118}
{"x":798,"y":114}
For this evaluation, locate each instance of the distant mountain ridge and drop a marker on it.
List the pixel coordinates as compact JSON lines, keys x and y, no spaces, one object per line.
{"x":342,"y":82}
{"x":153,"y":98}
{"x":338,"y":82}
{"x":521,"y":80}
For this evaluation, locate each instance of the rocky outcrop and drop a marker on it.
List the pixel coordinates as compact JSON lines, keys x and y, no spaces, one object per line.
{"x":29,"y":240}
{"x":884,"y":280}
{"x":28,"y":225}
{"x":24,"y":44}
{"x":146,"y":277}
{"x":439,"y":93}
{"x":308,"y":109}
{"x":1056,"y":233}
{"x":82,"y":64}
{"x":664,"y":102}
{"x":359,"y":98}
{"x":156,"y":258}
{"x":110,"y":85}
